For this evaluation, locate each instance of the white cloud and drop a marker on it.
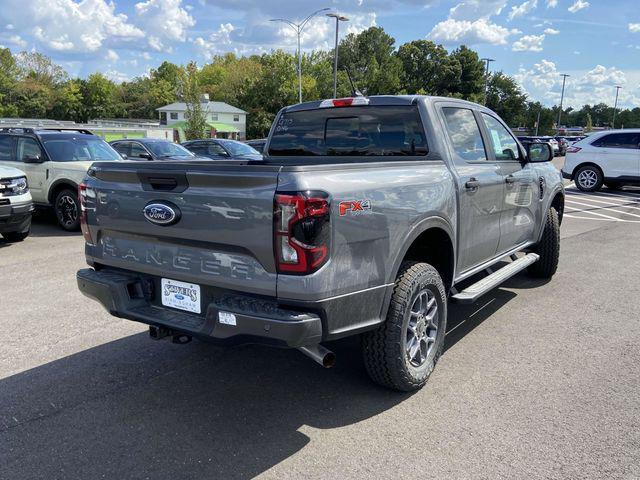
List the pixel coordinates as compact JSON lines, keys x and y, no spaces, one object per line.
{"x":551,"y":31}
{"x":117,"y":76}
{"x":470,"y":32}
{"x":111,"y":56}
{"x":472,"y":10}
{"x":634,"y":27}
{"x":552,"y":3}
{"x":522,"y":9}
{"x":167,"y":20}
{"x":601,"y":75}
{"x":528,"y":43}
{"x":68,"y":25}
{"x":217,"y":42}
{"x":578,"y":5}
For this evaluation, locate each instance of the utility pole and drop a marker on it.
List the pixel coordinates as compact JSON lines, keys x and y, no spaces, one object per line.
{"x":299,"y":27}
{"x":615,"y":107}
{"x":339,"y":18}
{"x":538,"y":122}
{"x":486,"y":77}
{"x":564,"y":79}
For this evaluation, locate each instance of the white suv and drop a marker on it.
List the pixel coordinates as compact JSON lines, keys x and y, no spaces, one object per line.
{"x":15,"y":205}
{"x":55,"y":163}
{"x":611,"y":157}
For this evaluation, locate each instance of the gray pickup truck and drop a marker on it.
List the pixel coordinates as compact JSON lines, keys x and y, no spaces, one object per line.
{"x":366,"y":216}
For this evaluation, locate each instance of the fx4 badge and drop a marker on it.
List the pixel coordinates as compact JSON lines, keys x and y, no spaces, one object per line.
{"x":355,"y":207}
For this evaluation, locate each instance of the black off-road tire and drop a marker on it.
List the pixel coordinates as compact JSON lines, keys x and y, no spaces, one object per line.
{"x":384,"y":349}
{"x":14,"y":237}
{"x":596,"y":174}
{"x":68,"y":220}
{"x":548,"y":248}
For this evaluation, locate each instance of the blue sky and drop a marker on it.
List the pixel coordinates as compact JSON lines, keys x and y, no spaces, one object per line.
{"x":596,"y":42}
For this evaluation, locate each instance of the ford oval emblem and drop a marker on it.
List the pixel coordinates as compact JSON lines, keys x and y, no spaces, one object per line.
{"x":161,"y":213}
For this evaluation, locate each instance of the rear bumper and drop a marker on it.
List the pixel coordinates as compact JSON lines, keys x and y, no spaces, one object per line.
{"x":15,"y":218}
{"x":258,"y":320}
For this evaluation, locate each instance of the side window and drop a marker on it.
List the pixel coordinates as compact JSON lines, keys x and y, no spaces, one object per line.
{"x":173,"y":115}
{"x":236,"y":118}
{"x":214,"y":117}
{"x":215,"y":149}
{"x":464,"y":133}
{"x":6,"y":148}
{"x":504,"y":144}
{"x":28,"y":147}
{"x":121,"y":147}
{"x":619,"y":140}
{"x":196,"y":148}
{"x":137,"y":150}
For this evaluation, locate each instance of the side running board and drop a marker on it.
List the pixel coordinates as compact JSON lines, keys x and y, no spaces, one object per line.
{"x":475,"y":291}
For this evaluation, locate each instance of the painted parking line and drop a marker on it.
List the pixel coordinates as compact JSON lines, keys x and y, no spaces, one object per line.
{"x":607,"y":201}
{"x":599,"y":207}
{"x":615,"y":219}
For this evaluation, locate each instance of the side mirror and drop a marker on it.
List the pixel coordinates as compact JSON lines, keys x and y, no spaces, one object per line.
{"x":32,"y":159}
{"x":539,"y":152}
{"x":146,"y":156}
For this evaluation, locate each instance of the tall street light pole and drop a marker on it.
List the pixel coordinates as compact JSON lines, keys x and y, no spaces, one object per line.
{"x":486,"y":77}
{"x":564,"y":79}
{"x":339,"y":18}
{"x":299,"y":27}
{"x":615,"y":107}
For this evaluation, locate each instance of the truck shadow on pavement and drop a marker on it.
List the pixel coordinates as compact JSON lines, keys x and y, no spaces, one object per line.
{"x":135,"y":408}
{"x":44,"y":224}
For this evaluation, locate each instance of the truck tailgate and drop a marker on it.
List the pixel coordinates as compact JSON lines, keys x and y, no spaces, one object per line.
{"x":224,"y":233}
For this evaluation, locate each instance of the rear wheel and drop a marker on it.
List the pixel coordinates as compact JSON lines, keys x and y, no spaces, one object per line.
{"x":589,"y":178}
{"x":548,"y":248}
{"x":15,"y":236}
{"x":67,"y":208}
{"x":403,"y":351}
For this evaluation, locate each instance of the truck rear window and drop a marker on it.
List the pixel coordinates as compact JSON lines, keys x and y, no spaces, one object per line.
{"x":350,"y":131}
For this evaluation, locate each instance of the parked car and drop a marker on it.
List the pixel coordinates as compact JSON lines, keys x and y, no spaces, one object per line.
{"x":222,"y":149}
{"x":16,"y":204}
{"x":554,"y":144}
{"x":563,"y":144}
{"x":55,"y":161}
{"x":258,"y":144}
{"x":611,"y":157}
{"x":155,"y":149}
{"x":366,"y":217}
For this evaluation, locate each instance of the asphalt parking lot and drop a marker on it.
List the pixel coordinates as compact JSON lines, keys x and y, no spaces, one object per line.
{"x":538,"y":380}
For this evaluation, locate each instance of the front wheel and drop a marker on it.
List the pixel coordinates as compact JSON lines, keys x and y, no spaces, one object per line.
{"x":548,"y":248}
{"x":403,"y":351}
{"x":589,"y":178}
{"x":67,"y":208}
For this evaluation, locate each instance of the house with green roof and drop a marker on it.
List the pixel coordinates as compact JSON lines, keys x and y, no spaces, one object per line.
{"x":224,"y":120}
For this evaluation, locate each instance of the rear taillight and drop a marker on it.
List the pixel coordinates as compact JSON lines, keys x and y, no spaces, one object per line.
{"x":82,"y":196}
{"x":573,"y":149}
{"x":301,"y":231}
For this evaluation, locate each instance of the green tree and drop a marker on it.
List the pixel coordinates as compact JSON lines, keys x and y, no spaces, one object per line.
{"x":471,"y":83}
{"x":505,"y":97}
{"x":196,"y":121}
{"x":427,"y":67}
{"x":8,"y":83}
{"x":68,"y":102}
{"x":369,"y":57}
{"x":100,"y":97}
{"x":589,"y":124}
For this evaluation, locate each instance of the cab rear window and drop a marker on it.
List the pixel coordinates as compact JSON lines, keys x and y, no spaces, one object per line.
{"x":350,"y":131}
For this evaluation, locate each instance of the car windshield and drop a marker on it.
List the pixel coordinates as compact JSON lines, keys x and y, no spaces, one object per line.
{"x":239,"y":148}
{"x":74,"y":149}
{"x":168,"y":149}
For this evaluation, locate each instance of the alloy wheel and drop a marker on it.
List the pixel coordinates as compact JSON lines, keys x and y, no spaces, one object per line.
{"x":422,"y":328}
{"x":67,"y":210}
{"x":588,"y":178}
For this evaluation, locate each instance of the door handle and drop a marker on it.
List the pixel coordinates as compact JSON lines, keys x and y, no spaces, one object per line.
{"x":472,"y":184}
{"x":510,"y":179}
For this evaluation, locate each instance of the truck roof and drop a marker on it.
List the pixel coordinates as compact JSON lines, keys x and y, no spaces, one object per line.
{"x":380,"y":100}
